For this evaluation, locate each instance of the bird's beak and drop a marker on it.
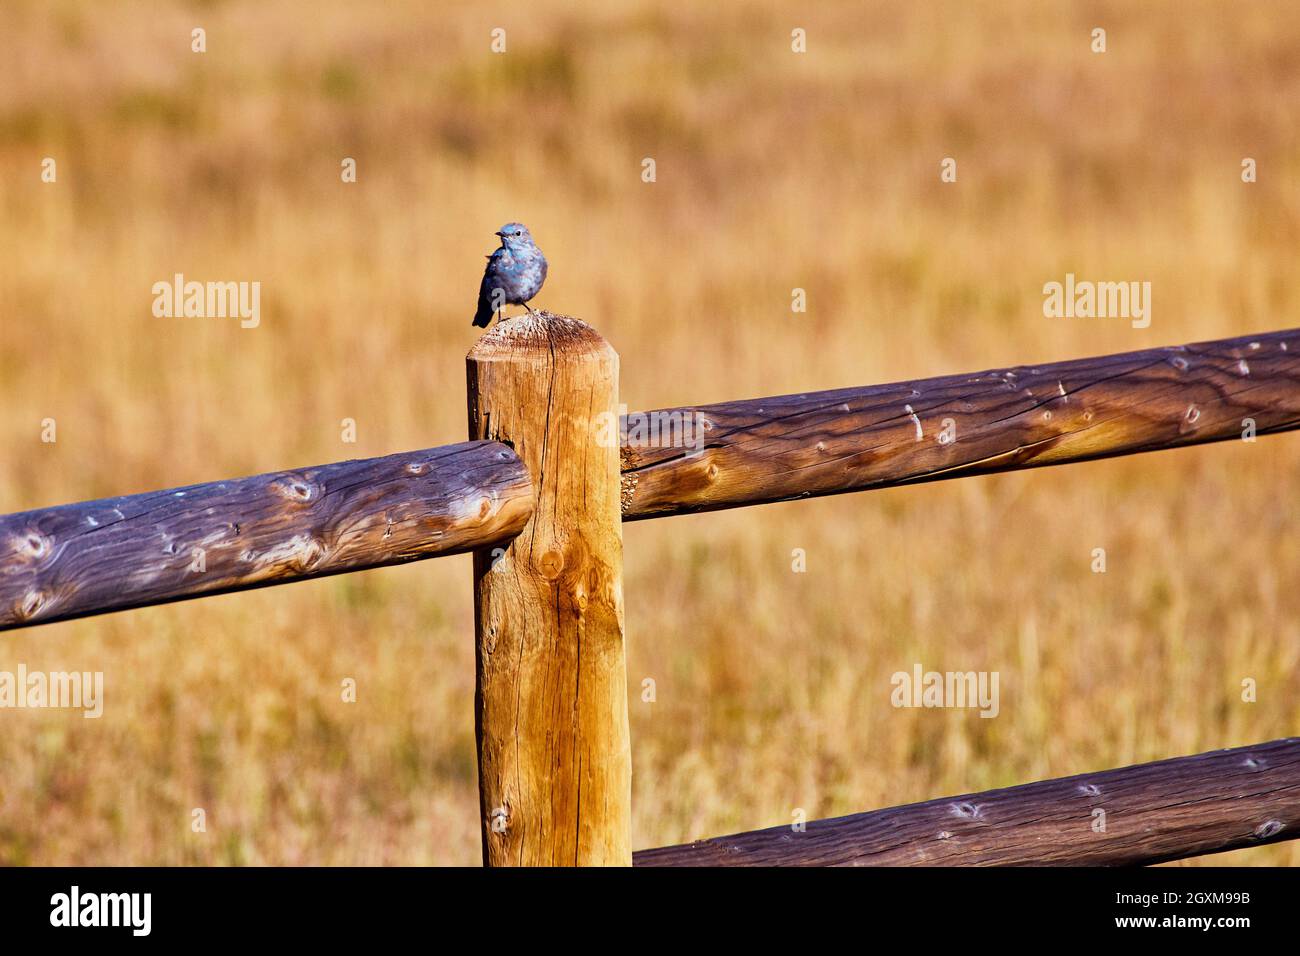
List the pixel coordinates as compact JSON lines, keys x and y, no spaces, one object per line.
{"x":501,"y":234}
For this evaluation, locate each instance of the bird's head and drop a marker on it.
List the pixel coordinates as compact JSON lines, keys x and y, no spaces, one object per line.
{"x":514,"y":234}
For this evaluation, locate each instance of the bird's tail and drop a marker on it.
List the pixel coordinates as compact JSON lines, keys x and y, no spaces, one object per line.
{"x":484,"y":314}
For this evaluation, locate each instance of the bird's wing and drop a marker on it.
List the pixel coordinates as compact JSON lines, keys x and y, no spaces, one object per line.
{"x":484,"y":287}
{"x":483,"y":312}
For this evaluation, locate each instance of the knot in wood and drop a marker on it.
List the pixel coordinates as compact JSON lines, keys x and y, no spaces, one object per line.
{"x":551,"y":564}
{"x":297,"y":488}
{"x":32,"y":604}
{"x":33,"y":545}
{"x":1269,"y":829}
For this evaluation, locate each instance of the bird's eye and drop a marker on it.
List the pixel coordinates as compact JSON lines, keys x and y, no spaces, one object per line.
{"x":518,"y":233}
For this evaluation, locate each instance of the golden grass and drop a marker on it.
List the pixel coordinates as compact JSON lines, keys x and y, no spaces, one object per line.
{"x":775,"y":171}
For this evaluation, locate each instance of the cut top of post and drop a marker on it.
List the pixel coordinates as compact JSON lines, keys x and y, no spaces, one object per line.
{"x":557,"y":336}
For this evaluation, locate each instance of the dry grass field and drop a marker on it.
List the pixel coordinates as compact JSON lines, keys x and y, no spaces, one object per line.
{"x":775,"y":170}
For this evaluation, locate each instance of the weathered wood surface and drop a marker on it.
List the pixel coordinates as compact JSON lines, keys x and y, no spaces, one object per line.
{"x":116,"y":553}
{"x":822,"y":443}
{"x":555,"y":764}
{"x":1155,"y":812}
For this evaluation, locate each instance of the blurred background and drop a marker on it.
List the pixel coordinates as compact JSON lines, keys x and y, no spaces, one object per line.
{"x":774,"y":171}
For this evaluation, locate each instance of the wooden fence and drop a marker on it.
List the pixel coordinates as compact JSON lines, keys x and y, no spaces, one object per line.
{"x":538,"y":495}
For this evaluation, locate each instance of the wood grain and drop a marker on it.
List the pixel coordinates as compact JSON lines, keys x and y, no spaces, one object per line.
{"x":824,"y":443}
{"x":1154,"y":812}
{"x":115,"y":553}
{"x":555,"y":764}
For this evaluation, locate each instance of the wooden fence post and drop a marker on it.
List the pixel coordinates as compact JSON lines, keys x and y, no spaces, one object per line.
{"x":555,"y":766}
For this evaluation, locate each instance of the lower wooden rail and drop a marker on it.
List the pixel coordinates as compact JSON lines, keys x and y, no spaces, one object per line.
{"x":1149,"y":813}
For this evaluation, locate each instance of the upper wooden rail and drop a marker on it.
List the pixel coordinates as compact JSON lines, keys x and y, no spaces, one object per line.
{"x":116,"y":553}
{"x":74,"y":560}
{"x":852,"y":439}
{"x":1149,"y":813}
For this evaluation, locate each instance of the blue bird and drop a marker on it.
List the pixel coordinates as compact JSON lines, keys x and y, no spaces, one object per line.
{"x":514,"y":273}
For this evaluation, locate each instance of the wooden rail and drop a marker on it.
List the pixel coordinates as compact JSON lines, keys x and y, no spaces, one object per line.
{"x":55,"y":564}
{"x":852,"y":439}
{"x":1149,"y":813}
{"x":118,"y":553}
